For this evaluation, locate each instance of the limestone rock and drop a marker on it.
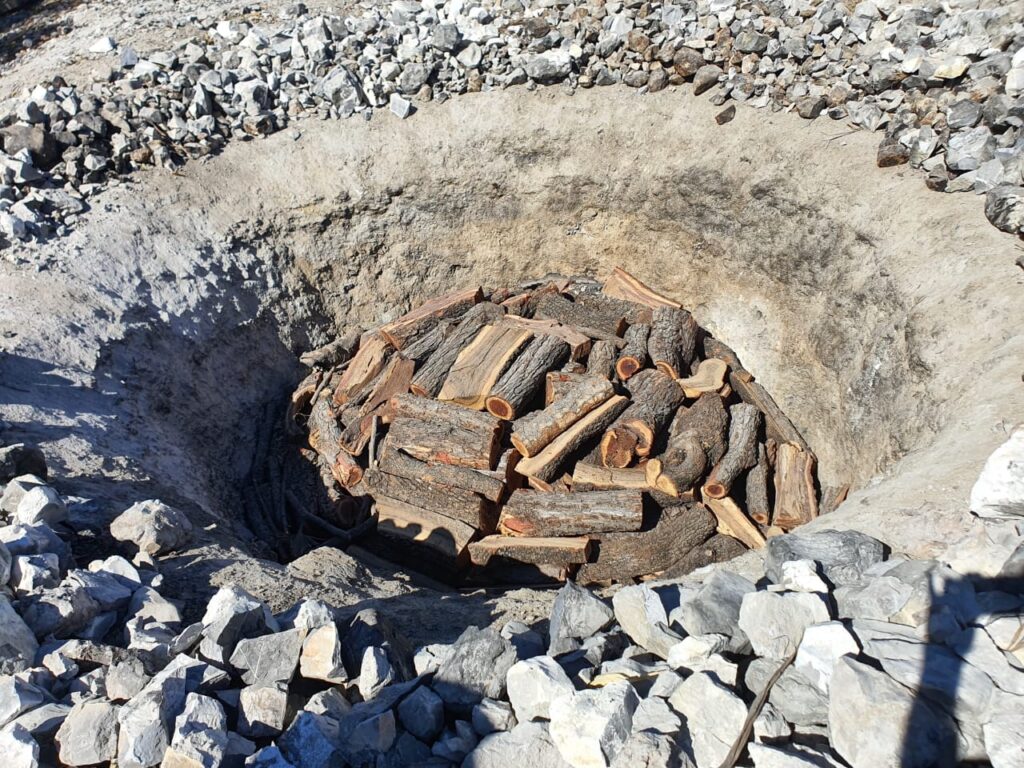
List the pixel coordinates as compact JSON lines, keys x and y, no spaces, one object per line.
{"x":17,"y":696}
{"x":797,"y":699}
{"x":153,"y":526}
{"x":642,"y":616}
{"x":576,"y":614}
{"x":877,"y":597}
{"x":532,"y":686}
{"x":268,"y":658}
{"x":330,"y":702}
{"x":646,"y":749}
{"x":549,"y":67}
{"x":591,"y":727}
{"x":200,"y":735}
{"x":491,"y":716}
{"x":231,"y":615}
{"x":1004,"y":739}
{"x":999,"y":490}
{"x":263,"y":710}
{"x":18,"y":747}
{"x":311,"y":741}
{"x":18,"y":644}
{"x":714,"y":717}
{"x":706,"y":77}
{"x":765,"y":756}
{"x":528,"y":744}
{"x":774,"y":622}
{"x":770,"y":726}
{"x":375,"y":672}
{"x":89,"y":733}
{"x":842,"y":555}
{"x":41,"y":504}
{"x":715,"y":609}
{"x":656,"y":716}
{"x":321,"y":655}
{"x":802,"y":576}
{"x":475,"y":668}
{"x":821,"y":645}
{"x":422,"y":714}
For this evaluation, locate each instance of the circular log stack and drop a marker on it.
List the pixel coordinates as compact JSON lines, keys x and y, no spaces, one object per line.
{"x":560,"y":428}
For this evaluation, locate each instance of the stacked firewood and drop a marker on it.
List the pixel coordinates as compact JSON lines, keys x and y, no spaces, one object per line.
{"x":571,"y":426}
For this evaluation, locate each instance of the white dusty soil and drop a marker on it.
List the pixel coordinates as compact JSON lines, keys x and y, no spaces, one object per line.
{"x":885,"y":318}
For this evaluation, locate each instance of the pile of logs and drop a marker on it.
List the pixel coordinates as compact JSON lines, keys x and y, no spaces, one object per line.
{"x":570,"y":426}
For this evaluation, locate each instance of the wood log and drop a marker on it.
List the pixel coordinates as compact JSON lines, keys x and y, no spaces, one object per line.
{"x":624,"y":556}
{"x":481,"y":363}
{"x":406,"y":522}
{"x":333,"y":354}
{"x":732,"y":521}
{"x":715,"y":348}
{"x":437,"y":432}
{"x":520,"y":385}
{"x":546,"y":463}
{"x":831,"y":497}
{"x":757,"y":503}
{"x":599,"y":302}
{"x":489,"y":484}
{"x":590,"y":477}
{"x":672,"y":341}
{"x":633,"y":356}
{"x":465,"y":506}
{"x":431,"y":375}
{"x":710,"y":377}
{"x":718,"y":549}
{"x":533,"y":513}
{"x":557,"y":383}
{"x":622,"y":285}
{"x":369,"y":361}
{"x":420,"y":349}
{"x":601,"y":361}
{"x":325,"y":438}
{"x":300,"y":402}
{"x":796,"y":501}
{"x":618,"y":446}
{"x":535,"y":551}
{"x":696,"y":441}
{"x":606,"y":321}
{"x":777,"y":424}
{"x":744,"y":428}
{"x":656,"y":398}
{"x":420,"y":320}
{"x":534,"y":431}
{"x":579,"y":343}
{"x":393,"y":380}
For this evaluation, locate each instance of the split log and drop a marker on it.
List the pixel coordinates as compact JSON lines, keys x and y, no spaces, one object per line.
{"x":333,"y":354}
{"x":489,"y":484}
{"x":557,"y":383}
{"x":710,"y":377}
{"x":624,"y":556}
{"x":438,"y":432}
{"x":732,"y":521}
{"x":796,"y":501}
{"x":673,"y":341}
{"x":656,"y":398}
{"x":696,"y":441}
{"x":601,"y":361}
{"x":393,"y":380}
{"x":325,"y":439}
{"x":420,"y":320}
{"x":524,"y":379}
{"x":426,"y":344}
{"x":757,"y":503}
{"x":546,"y":463}
{"x":633,"y":356}
{"x":480,"y":364}
{"x":590,"y":477}
{"x":604,"y":320}
{"x":534,"y":551}
{"x":579,"y":343}
{"x":455,"y":503}
{"x":369,"y":361}
{"x":744,"y":426}
{"x":715,"y":348}
{"x":532,"y":513}
{"x":622,"y":285}
{"x":534,"y":431}
{"x":431,"y":375}
{"x":406,"y":522}
{"x":777,"y":424}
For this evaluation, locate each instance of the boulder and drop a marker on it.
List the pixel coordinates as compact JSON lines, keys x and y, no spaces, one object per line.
{"x":491,"y":716}
{"x":1004,"y":739}
{"x":367,"y":628}
{"x":876,"y":597}
{"x":842,"y":555}
{"x":330,"y":702}
{"x":475,"y":668}
{"x":18,"y":696}
{"x":550,"y":66}
{"x":714,"y":717}
{"x":311,"y":741}
{"x":263,"y":710}
{"x":653,"y":714}
{"x":797,"y":699}
{"x":375,"y":672}
{"x":268,"y":658}
{"x":532,"y":686}
{"x":576,"y":614}
{"x":821,"y":645}
{"x":41,"y":504}
{"x":642,"y":616}
{"x":422,"y":714}
{"x":802,"y":576}
{"x":232,"y":615}
{"x":775,"y":621}
{"x":18,"y":747}
{"x":154,"y":527}
{"x":765,"y":756}
{"x":89,"y":733}
{"x":715,"y":608}
{"x":15,"y":491}
{"x":18,"y":644}
{"x":646,"y":749}
{"x":591,"y":727}
{"x":321,"y":655}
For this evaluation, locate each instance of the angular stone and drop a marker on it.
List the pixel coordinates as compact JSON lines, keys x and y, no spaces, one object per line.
{"x":695,"y":650}
{"x":765,"y":756}
{"x":89,"y":734}
{"x":370,"y":627}
{"x":18,"y":747}
{"x":125,"y":679}
{"x":491,"y":716}
{"x":263,"y":710}
{"x":399,"y":106}
{"x":41,"y":504}
{"x":18,"y":644}
{"x":231,"y":615}
{"x":476,"y":667}
{"x":153,"y":526}
{"x":528,"y":744}
{"x":200,"y":735}
{"x":1004,"y":739}
{"x":770,"y":726}
{"x":655,"y":715}
{"x":715,"y":609}
{"x":321,"y":655}
{"x":935,"y":589}
{"x":550,"y":66}
{"x":18,"y":696}
{"x":526,"y":641}
{"x":793,"y":695}
{"x":842,"y":555}
{"x":1004,"y":207}
{"x":375,"y":672}
{"x":576,"y":614}
{"x":774,"y":621}
{"x":967,"y":150}
{"x":821,"y":646}
{"x":646,"y":749}
{"x":456,"y":743}
{"x":642,"y":616}
{"x":268,"y":658}
{"x":311,"y":741}
{"x":706,"y":77}
{"x":876,"y":597}
{"x":532,"y":686}
{"x":32,"y":573}
{"x":150,"y":604}
{"x":330,"y":702}
{"x":714,"y":717}
{"x":963,"y":114}
{"x":590,"y":727}
{"x":422,"y":714}
{"x":906,"y":730}
{"x":975,"y":647}
{"x":268,"y":757}
{"x":375,"y":734}
{"x":310,"y":615}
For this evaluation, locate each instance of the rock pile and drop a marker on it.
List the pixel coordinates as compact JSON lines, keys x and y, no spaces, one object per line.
{"x":560,"y":427}
{"x":944,"y":83}
{"x":838,"y":654}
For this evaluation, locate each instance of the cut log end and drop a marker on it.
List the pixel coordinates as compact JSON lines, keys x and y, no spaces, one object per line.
{"x":497,"y":406}
{"x":667,"y":369}
{"x":618,"y":447}
{"x":716,"y":490}
{"x":627,"y":367}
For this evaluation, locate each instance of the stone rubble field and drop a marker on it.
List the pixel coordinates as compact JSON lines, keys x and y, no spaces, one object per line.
{"x":841,"y":653}
{"x":942,"y":84}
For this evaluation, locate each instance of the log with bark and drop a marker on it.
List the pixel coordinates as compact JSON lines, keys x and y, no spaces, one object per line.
{"x":393,"y":380}
{"x":431,"y":375}
{"x":756,"y":495}
{"x":458,"y":504}
{"x":534,"y":431}
{"x":489,"y":484}
{"x":601,"y":361}
{"x":672,"y":341}
{"x":633,"y":356}
{"x":796,"y":501}
{"x":325,"y":439}
{"x":777,"y":424}
{"x":601,"y":321}
{"x":447,"y":537}
{"x":479,"y":366}
{"x":579,"y":343}
{"x":744,"y":429}
{"x":733,"y":522}
{"x":524,"y":380}
{"x":697,"y":440}
{"x":656,"y":397}
{"x":374,"y":351}
{"x":591,"y":477}
{"x":557,"y":383}
{"x":420,"y":350}
{"x":422,"y":319}
{"x":713,"y":348}
{"x":533,"y":513}
{"x":439,"y":432}
{"x":333,"y":354}
{"x":535,"y":551}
